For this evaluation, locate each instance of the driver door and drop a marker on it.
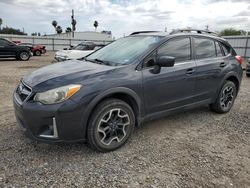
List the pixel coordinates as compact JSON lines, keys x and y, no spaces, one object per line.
{"x":172,"y":87}
{"x":6,"y":48}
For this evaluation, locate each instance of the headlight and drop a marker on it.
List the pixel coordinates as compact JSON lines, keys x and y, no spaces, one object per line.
{"x":57,"y":95}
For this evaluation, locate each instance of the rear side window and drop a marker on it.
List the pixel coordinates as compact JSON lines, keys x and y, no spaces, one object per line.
{"x":226,"y":49}
{"x":180,"y":48}
{"x":218,"y":50}
{"x":204,"y":48}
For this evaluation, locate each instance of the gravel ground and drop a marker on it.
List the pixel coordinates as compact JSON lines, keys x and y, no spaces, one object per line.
{"x":197,"y":148}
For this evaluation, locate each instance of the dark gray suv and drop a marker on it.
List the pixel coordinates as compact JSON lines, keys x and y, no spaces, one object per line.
{"x":101,"y":98}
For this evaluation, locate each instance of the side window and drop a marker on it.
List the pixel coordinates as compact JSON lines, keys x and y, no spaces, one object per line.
{"x":204,"y":48}
{"x":225,"y":49}
{"x":218,"y":50}
{"x":180,"y":48}
{"x":3,"y":42}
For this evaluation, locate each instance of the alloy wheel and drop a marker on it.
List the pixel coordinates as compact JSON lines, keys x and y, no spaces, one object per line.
{"x":113,"y":126}
{"x":227,"y":97}
{"x":24,"y":56}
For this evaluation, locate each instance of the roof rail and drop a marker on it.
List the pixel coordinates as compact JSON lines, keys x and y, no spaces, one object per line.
{"x":199,"y":31}
{"x":138,"y":32}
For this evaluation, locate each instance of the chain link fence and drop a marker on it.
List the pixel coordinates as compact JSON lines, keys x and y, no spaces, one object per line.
{"x":51,"y":43}
{"x":241,"y":44}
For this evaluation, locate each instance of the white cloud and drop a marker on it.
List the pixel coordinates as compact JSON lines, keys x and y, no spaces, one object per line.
{"x":126,"y":16}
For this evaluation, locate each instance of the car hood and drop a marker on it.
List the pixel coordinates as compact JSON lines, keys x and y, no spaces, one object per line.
{"x":74,"y":54}
{"x":64,"y":72}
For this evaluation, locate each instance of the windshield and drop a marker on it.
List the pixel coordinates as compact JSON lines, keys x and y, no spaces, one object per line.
{"x":80,"y":47}
{"x":124,"y":50}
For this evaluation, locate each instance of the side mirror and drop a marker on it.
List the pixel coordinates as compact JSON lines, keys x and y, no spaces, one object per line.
{"x":165,"y":61}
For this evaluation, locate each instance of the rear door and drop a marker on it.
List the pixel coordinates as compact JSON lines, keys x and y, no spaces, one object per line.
{"x":211,"y":63}
{"x":174,"y":86}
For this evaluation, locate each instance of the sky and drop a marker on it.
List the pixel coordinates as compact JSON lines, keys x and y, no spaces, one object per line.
{"x":125,"y":16}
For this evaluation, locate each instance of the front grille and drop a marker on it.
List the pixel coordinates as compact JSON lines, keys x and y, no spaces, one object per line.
{"x":23,"y":92}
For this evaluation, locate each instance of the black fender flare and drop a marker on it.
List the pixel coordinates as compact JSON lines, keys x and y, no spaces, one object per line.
{"x":228,"y":75}
{"x":110,"y":92}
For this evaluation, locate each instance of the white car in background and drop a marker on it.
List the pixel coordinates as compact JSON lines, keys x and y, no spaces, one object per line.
{"x":79,"y":51}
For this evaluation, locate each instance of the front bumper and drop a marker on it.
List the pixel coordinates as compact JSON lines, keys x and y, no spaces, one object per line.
{"x":50,"y":123}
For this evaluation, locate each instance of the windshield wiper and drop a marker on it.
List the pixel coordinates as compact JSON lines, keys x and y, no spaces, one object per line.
{"x":99,"y":61}
{"x":102,"y":62}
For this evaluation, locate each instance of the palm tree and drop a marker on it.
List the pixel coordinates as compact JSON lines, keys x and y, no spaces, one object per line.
{"x":95,"y":24}
{"x":68,"y":30}
{"x":54,"y":23}
{"x":1,"y":22}
{"x":59,"y":29}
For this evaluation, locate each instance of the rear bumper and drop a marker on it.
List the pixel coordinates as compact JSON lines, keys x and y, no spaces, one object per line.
{"x":50,"y":123}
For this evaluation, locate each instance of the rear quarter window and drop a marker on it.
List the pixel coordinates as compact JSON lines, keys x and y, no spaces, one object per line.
{"x":227,"y":50}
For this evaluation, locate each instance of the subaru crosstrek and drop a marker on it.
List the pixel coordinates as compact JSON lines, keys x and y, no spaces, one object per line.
{"x":101,"y":98}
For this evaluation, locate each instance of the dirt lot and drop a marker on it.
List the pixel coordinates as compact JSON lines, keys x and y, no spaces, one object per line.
{"x":190,"y":149}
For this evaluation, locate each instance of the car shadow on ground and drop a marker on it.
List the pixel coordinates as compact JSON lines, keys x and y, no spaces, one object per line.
{"x":8,"y":59}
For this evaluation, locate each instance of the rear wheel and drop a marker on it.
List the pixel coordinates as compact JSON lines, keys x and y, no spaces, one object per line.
{"x":23,"y":56}
{"x":225,"y":99}
{"x":110,"y":125}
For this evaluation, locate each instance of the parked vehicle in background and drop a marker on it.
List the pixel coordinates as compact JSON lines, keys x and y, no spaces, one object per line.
{"x":9,"y":49}
{"x":79,"y":51}
{"x":37,"y":49}
{"x":101,"y":98}
{"x":248,"y":68}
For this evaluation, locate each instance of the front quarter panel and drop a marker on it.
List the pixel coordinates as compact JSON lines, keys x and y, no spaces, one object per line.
{"x":125,"y":80}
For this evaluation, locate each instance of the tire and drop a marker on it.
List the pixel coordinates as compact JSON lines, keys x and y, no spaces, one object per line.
{"x":225,"y":99}
{"x":38,"y":53}
{"x":23,"y":56}
{"x":43,"y":51}
{"x":111,"y":125}
{"x":248,"y":75}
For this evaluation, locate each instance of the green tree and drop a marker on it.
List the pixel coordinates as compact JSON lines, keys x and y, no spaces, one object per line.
{"x":95,"y":24}
{"x":232,"y":31}
{"x":59,"y":29}
{"x":1,"y":22}
{"x":10,"y":30}
{"x":68,"y":30}
{"x":54,"y":24}
{"x":34,"y":34}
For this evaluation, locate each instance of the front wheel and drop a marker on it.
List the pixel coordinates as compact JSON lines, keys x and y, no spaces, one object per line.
{"x":23,"y":56}
{"x":225,"y":99}
{"x":38,"y":53}
{"x":110,"y":125}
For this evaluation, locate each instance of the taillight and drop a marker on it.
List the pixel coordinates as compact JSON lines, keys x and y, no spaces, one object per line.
{"x":239,"y":59}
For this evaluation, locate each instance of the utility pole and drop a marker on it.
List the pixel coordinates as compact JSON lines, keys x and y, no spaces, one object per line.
{"x":72,"y":21}
{"x":207,"y":27}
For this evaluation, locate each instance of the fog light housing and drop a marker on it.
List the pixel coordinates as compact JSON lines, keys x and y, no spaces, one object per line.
{"x":50,"y":131}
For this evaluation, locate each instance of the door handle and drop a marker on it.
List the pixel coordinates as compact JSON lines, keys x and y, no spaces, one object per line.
{"x":223,"y":64}
{"x":190,"y":71}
